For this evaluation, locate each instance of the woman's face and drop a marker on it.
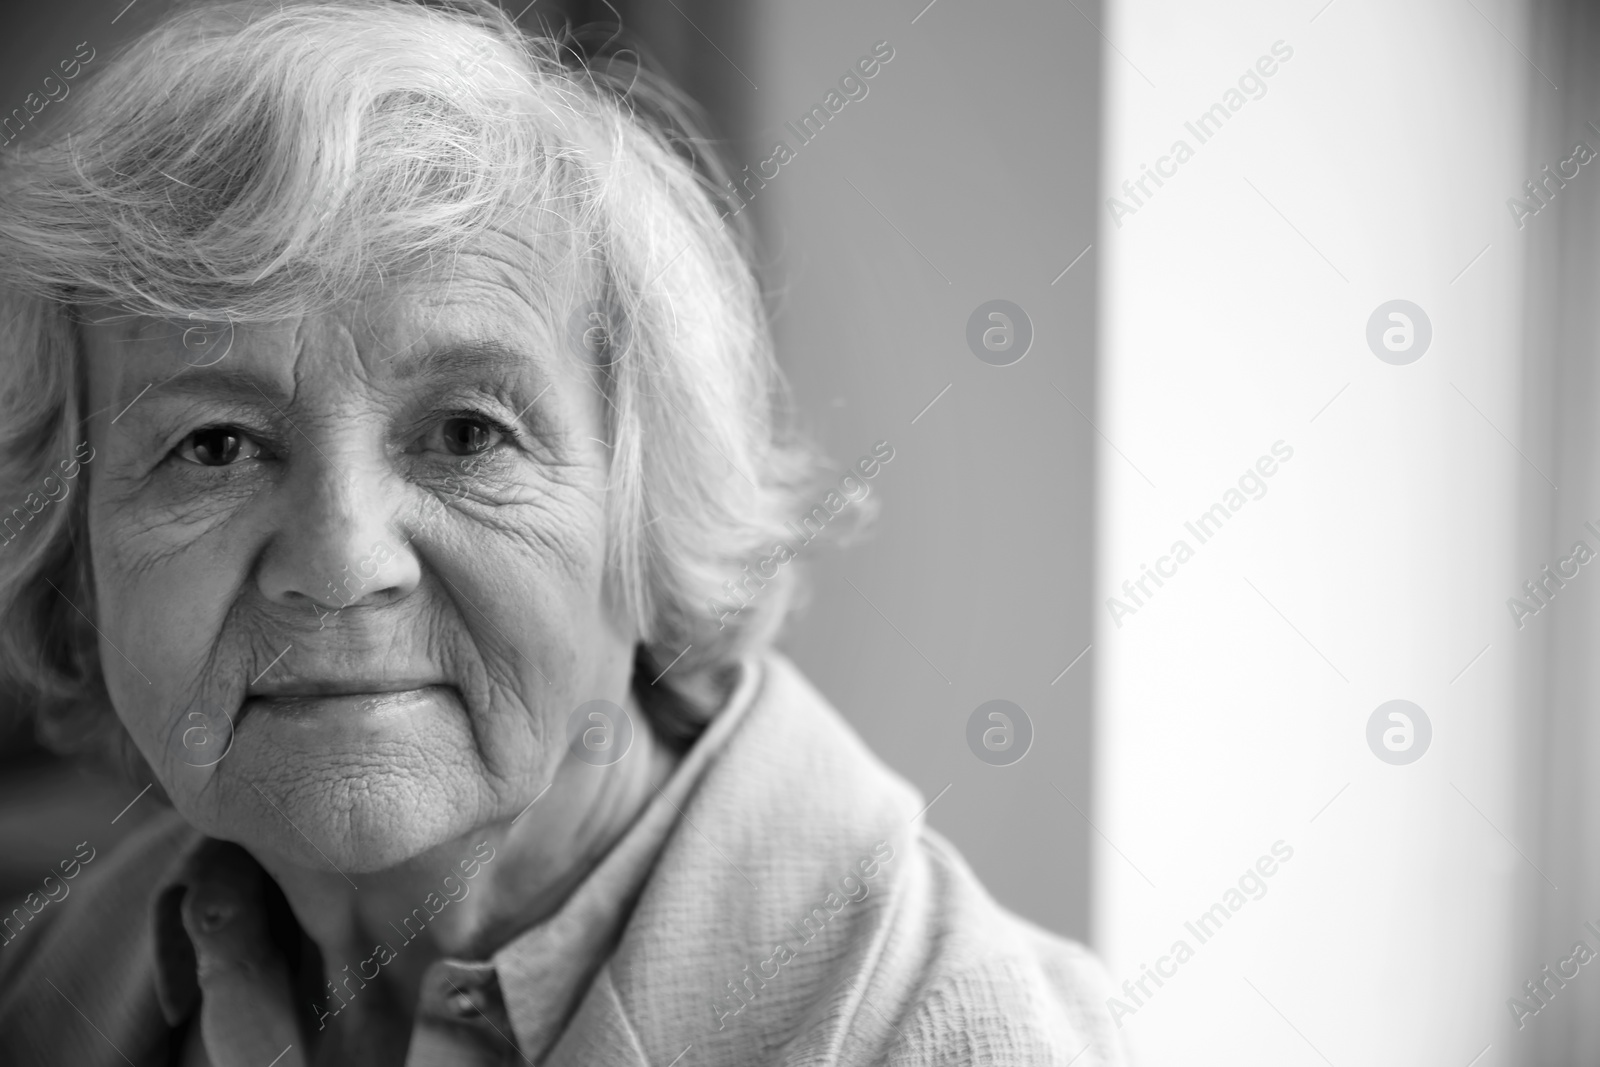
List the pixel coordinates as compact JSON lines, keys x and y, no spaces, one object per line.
{"x":373,"y":542}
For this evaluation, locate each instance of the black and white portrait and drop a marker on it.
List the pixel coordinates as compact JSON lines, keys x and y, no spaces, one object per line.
{"x":705,"y":533}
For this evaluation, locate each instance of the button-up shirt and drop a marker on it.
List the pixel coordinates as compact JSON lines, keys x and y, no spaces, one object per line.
{"x":786,"y":904}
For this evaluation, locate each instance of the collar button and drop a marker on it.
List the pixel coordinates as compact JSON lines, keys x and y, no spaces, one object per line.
{"x":463,"y":1005}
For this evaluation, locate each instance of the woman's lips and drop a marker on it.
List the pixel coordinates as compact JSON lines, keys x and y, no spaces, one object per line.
{"x":346,"y":704}
{"x":377,"y":737}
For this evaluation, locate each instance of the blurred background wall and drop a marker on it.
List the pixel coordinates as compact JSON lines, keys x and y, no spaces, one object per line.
{"x":966,"y":174}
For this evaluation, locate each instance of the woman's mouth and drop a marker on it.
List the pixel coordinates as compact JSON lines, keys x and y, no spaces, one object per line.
{"x":346,"y":701}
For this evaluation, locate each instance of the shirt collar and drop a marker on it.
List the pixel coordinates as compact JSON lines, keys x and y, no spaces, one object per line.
{"x":546,"y":969}
{"x":532,"y":983}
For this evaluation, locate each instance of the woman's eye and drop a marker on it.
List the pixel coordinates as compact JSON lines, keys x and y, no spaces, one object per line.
{"x":217,"y":446}
{"x":466,"y":435}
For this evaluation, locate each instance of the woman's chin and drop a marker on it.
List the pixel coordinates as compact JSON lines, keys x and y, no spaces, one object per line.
{"x":346,"y":811}
{"x":355,"y":824}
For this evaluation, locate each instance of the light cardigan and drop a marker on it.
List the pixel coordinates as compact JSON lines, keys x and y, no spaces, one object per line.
{"x":792,"y":907}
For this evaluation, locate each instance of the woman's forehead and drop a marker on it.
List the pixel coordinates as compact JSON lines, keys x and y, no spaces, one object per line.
{"x":474,"y":333}
{"x":513,"y":279}
{"x":497,"y":286}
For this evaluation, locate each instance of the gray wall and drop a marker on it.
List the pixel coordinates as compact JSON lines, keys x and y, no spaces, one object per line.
{"x":968,"y":173}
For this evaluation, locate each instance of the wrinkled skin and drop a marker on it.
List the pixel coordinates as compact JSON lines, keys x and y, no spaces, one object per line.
{"x":315,"y":488}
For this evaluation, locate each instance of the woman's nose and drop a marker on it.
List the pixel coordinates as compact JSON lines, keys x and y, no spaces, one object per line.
{"x":336,"y":543}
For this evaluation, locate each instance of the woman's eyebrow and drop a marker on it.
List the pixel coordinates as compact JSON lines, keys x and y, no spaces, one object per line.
{"x":473,"y":359}
{"x":476,"y":358}
{"x":225,"y":383}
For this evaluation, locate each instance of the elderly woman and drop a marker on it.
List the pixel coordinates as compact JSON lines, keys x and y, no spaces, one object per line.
{"x":391,"y":422}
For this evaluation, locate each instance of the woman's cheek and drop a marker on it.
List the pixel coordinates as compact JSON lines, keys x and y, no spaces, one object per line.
{"x":152,"y":566}
{"x":198,"y":497}
{"x":142,"y":522}
{"x":159,"y":561}
{"x":534,"y":576}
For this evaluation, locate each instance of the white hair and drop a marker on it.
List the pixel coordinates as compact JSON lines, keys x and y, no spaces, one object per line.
{"x":246,"y":162}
